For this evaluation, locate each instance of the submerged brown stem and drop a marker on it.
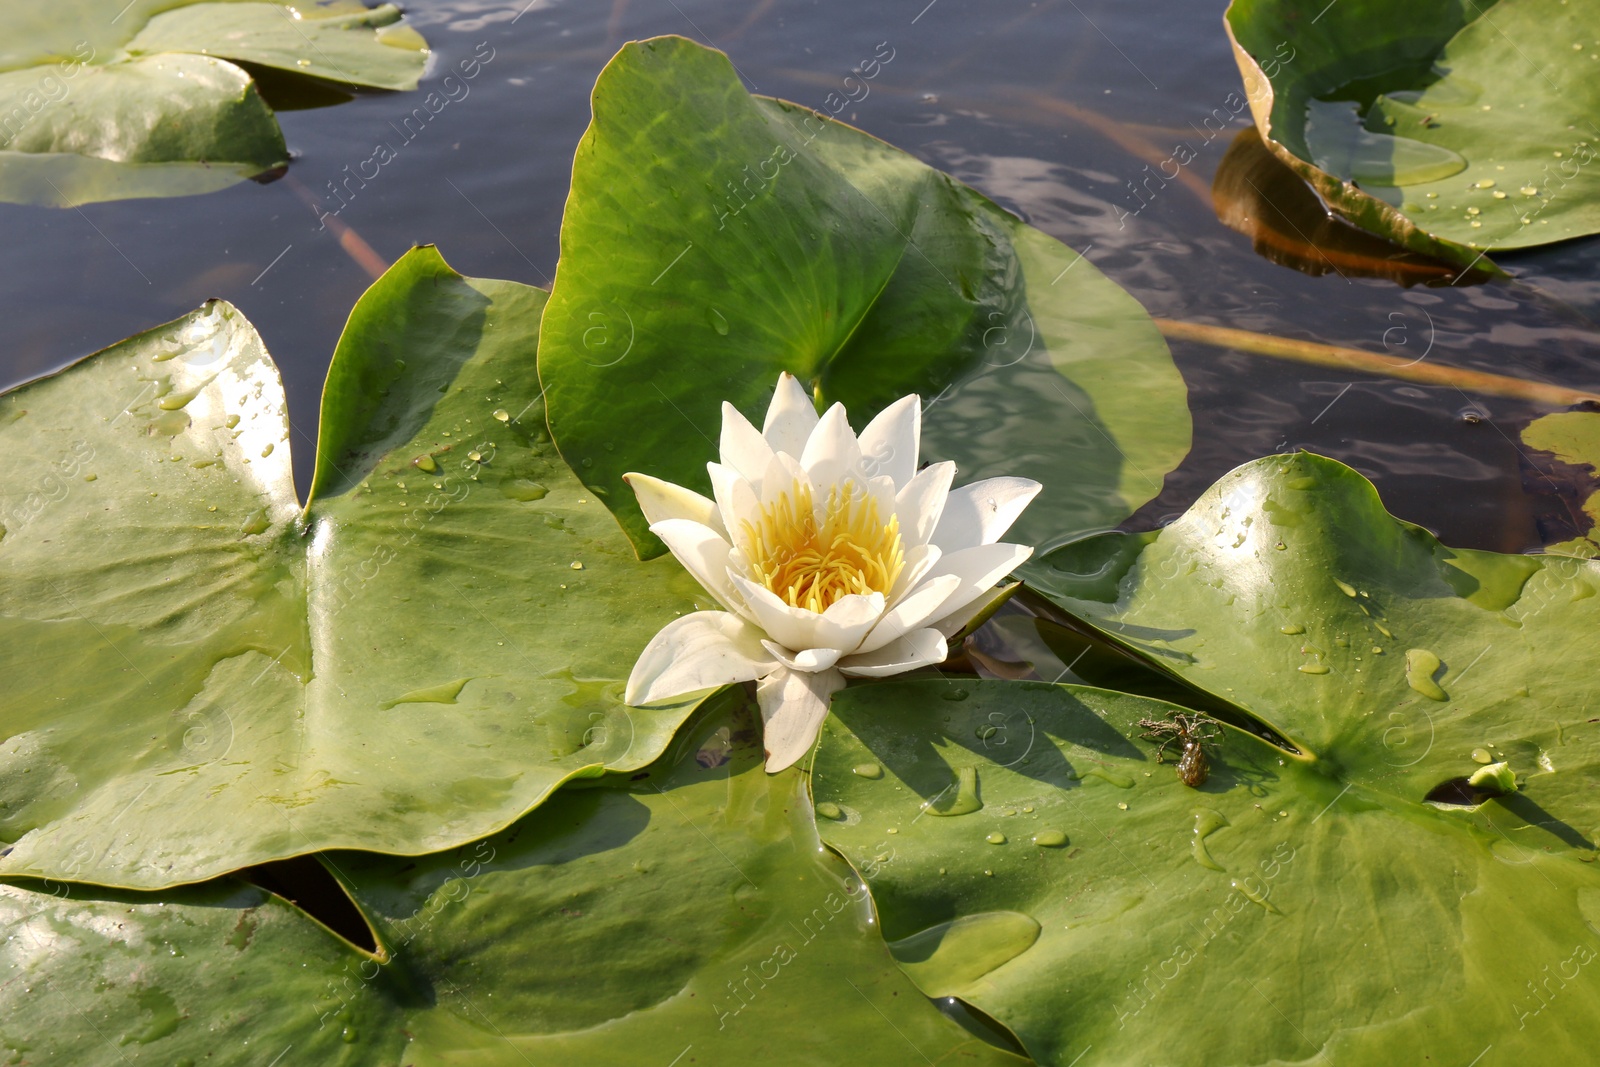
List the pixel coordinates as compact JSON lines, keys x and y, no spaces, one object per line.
{"x":357,"y":249}
{"x":1354,"y":359}
{"x":354,"y":245}
{"x":1120,"y":134}
{"x":756,"y":15}
{"x":619,"y":11}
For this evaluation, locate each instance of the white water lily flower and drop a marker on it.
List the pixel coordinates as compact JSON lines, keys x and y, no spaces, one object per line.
{"x":834,"y":556}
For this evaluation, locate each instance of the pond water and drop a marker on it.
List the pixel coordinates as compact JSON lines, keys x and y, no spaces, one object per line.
{"x":1068,"y":112}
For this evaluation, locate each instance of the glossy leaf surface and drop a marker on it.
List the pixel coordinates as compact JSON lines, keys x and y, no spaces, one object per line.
{"x":204,"y":678}
{"x":684,"y":911}
{"x":103,"y":100}
{"x":1289,"y":592}
{"x":1449,"y":126}
{"x":1097,"y":906}
{"x":1573,"y":437}
{"x":764,"y":237}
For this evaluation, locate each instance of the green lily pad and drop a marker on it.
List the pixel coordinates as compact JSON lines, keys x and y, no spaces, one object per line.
{"x":223,"y":973}
{"x":101,"y":100}
{"x":713,"y":239}
{"x":327,"y":44}
{"x":1095,"y":905}
{"x":1451,"y":128}
{"x":1573,"y":437}
{"x":39,"y":31}
{"x":201,"y":677}
{"x":687,"y":911}
{"x":1290,"y":593}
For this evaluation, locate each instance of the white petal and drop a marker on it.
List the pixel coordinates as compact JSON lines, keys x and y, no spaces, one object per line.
{"x":790,"y":418}
{"x":890,"y":442}
{"x":781,"y":477}
{"x":920,"y":503}
{"x":920,"y":560}
{"x":789,"y":626}
{"x":703,"y":553}
{"x":842,"y":626}
{"x":879,"y":490}
{"x":957,"y":616}
{"x":831,"y":452}
{"x":981,"y":513}
{"x":979,"y":569}
{"x":735,"y":499}
{"x":810,"y":660}
{"x":919,"y":648}
{"x":849,"y":619}
{"x":925,"y":602}
{"x":698,"y":651}
{"x":661,"y":500}
{"x":743,"y":449}
{"x":793,"y":705}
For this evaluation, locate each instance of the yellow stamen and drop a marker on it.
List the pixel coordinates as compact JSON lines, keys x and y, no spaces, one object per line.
{"x":812,"y":565}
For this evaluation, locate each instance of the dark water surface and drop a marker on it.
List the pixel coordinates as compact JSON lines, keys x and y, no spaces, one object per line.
{"x":1057,"y":109}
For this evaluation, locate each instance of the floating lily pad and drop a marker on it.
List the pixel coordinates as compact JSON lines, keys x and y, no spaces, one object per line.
{"x":713,"y":239}
{"x":1574,"y":438}
{"x":1257,"y":195}
{"x":298,"y":38}
{"x":1451,"y":128}
{"x":201,"y":677}
{"x":223,"y":973}
{"x":1280,"y":913}
{"x":101,"y":100}
{"x":1289,"y":592}
{"x":689,"y":911}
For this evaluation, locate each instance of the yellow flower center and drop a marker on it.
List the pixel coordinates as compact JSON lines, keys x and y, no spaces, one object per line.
{"x":812,"y":564}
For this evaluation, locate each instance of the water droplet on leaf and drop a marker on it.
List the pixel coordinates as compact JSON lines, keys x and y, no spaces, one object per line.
{"x":1206,"y":822}
{"x":965,"y":801}
{"x":1254,"y":897}
{"x":170,"y":424}
{"x":523,"y":489}
{"x":1420,"y":668}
